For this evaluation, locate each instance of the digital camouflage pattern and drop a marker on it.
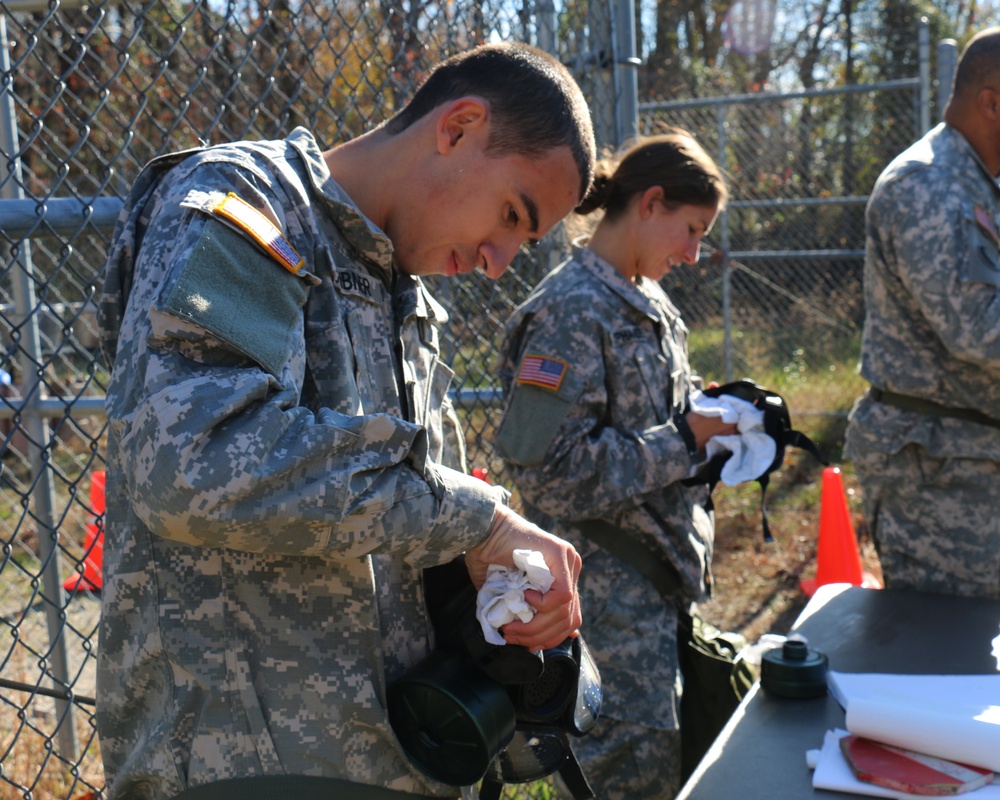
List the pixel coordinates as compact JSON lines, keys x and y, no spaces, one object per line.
{"x":932,"y":331}
{"x":602,"y":445}
{"x":275,"y":481}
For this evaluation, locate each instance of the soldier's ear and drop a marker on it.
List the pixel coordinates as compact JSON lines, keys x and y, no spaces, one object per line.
{"x":461,"y":119}
{"x":649,"y":201}
{"x":988,"y":103}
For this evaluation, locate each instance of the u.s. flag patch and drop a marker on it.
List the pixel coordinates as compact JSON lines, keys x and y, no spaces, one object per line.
{"x":542,"y":371}
{"x":264,"y":232}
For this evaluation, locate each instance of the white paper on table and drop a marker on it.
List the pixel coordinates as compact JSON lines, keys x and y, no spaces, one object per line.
{"x":835,"y":774}
{"x":950,"y":716}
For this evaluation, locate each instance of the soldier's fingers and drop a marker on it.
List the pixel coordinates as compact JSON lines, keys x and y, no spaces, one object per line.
{"x":557,"y":615}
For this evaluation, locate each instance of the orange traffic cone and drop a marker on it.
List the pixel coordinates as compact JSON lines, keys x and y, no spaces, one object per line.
{"x":838,"y":559}
{"x":93,"y":545}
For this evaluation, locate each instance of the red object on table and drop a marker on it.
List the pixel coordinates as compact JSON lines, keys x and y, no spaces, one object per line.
{"x":907,"y":771}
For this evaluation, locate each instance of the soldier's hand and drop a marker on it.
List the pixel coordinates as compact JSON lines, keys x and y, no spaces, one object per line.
{"x":557,"y":612}
{"x":704,"y":428}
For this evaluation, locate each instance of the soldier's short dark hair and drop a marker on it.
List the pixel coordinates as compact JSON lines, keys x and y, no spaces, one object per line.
{"x":534,"y":102}
{"x":979,"y":63}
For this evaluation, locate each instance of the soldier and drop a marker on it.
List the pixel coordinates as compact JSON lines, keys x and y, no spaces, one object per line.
{"x":925,"y":439}
{"x":595,"y":370}
{"x":283,"y":459}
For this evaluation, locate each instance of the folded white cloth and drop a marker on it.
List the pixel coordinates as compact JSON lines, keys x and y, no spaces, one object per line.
{"x":752,"y":450}
{"x":501,"y":599}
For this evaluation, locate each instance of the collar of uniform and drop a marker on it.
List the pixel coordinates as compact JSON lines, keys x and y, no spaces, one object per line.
{"x":945,"y":146}
{"x":411,"y":297}
{"x":364,"y":235}
{"x":605,"y":272}
{"x":962,"y":146}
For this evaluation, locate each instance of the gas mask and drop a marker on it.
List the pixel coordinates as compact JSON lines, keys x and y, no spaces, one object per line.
{"x":472,"y":711}
{"x":777,"y":425}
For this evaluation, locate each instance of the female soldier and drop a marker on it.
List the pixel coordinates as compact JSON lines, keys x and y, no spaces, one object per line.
{"x":595,"y":371}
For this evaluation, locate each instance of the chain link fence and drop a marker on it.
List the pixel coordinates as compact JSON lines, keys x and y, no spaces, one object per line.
{"x":779,"y":293}
{"x":91,"y":92}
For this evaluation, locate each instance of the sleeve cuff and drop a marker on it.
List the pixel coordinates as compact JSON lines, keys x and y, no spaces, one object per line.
{"x":466,"y":509}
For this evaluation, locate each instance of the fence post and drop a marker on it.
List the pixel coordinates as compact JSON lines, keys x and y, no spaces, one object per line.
{"x":626,"y":63}
{"x":947,"y":60}
{"x":727,"y":276}
{"x":36,"y":425}
{"x":925,"y":76}
{"x":545,"y":26}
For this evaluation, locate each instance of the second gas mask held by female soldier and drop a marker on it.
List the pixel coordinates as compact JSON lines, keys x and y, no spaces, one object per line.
{"x":777,"y":425}
{"x":472,"y":711}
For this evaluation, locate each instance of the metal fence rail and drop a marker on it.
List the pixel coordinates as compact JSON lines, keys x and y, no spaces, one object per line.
{"x":90,"y":92}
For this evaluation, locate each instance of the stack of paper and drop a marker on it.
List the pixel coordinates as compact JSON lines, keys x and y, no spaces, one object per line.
{"x":956,"y":717}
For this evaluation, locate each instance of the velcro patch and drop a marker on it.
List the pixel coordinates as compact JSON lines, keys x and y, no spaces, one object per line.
{"x":542,"y":371}
{"x":986,"y":223}
{"x":264,"y":232}
{"x":623,"y":336}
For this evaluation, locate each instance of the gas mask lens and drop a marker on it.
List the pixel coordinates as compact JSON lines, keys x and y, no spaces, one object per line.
{"x":588,"y":692}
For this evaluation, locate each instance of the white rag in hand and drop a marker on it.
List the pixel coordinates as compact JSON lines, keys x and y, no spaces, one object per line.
{"x":501,"y":600}
{"x":752,"y":450}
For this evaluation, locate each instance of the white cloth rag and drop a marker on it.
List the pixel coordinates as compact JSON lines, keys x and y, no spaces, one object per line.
{"x":752,"y":449}
{"x":501,"y":600}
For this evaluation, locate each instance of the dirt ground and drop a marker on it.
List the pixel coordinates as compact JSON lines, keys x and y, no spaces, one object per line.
{"x":756,"y":583}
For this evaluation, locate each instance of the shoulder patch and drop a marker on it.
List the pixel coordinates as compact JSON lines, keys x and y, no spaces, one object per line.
{"x":985,"y":222}
{"x":261,"y":229}
{"x":542,"y":371}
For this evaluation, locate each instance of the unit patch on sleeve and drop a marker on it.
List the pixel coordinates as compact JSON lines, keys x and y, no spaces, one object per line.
{"x":986,"y":223}
{"x":264,"y":232}
{"x":542,"y":371}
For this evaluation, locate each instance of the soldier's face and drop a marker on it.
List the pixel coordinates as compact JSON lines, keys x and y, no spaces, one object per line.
{"x":672,"y":236}
{"x":473,"y":211}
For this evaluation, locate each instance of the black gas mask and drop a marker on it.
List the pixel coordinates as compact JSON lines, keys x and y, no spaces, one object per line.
{"x":472,"y":711}
{"x":777,"y":425}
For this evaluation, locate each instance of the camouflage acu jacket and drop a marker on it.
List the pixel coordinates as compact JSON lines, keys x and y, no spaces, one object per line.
{"x":275,"y":478}
{"x":593,"y":369}
{"x":932,"y":300}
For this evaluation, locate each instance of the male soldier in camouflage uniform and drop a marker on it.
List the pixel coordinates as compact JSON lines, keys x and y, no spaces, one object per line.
{"x":926,"y":437}
{"x":279,"y":429}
